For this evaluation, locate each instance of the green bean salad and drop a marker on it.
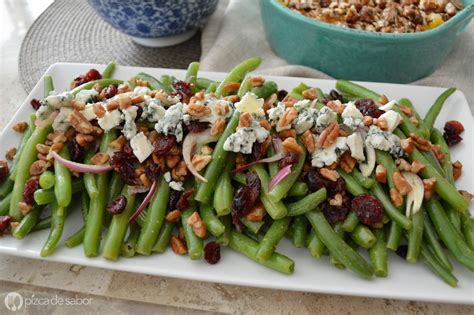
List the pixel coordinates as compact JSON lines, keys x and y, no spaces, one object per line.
{"x":196,"y":164}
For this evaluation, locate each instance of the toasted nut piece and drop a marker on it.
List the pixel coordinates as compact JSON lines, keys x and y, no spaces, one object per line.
{"x":98,"y":110}
{"x":396,"y":197}
{"x":200,"y":161}
{"x":257,"y":213}
{"x":199,"y":227}
{"x":407,"y":145}
{"x":336,"y":200}
{"x":257,"y":81}
{"x":123,"y":88}
{"x":118,"y":143}
{"x":290,"y":145}
{"x":232,"y":98}
{"x":173,"y":216}
{"x":414,"y":121}
{"x":430,"y":186}
{"x":245,"y":120}
{"x":10,"y":154}
{"x":336,"y":106}
{"x":231,"y":86}
{"x":310,"y":94}
{"x":287,"y":118}
{"x":140,"y":82}
{"x":56,"y":147}
{"x":420,"y":142}
{"x":24,"y":207}
{"x":287,"y":134}
{"x":140,"y":170}
{"x":368,"y":120}
{"x":417,"y":166}
{"x":401,"y":184}
{"x":437,"y":152}
{"x":145,"y":180}
{"x":52,"y":136}
{"x":84,"y":140}
{"x":333,"y":166}
{"x":332,"y":175}
{"x":309,"y":141}
{"x":347,"y":162}
{"x":406,"y":110}
{"x":467,"y":195}
{"x":328,"y":136}
{"x":41,"y":157}
{"x":13,"y":226}
{"x":381,"y":173}
{"x":178,"y":246}
{"x":153,"y":135}
{"x":78,"y":105}
{"x":381,"y":123}
{"x":383,"y":100}
{"x":112,"y":105}
{"x":80,"y":123}
{"x":269,"y":101}
{"x":42,"y":148}
{"x":175,"y":150}
{"x":124,"y":101}
{"x":403,"y":165}
{"x":20,"y":126}
{"x":138,"y":99}
{"x":39,"y":167}
{"x":199,"y":111}
{"x":181,"y":233}
{"x":289,"y":101}
{"x":172,"y":160}
{"x":179,"y":172}
{"x":457,"y":170}
{"x":206,"y":150}
{"x":160,"y":160}
{"x":100,"y":158}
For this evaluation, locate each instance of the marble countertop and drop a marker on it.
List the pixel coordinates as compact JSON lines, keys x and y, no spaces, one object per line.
{"x":121,"y":292}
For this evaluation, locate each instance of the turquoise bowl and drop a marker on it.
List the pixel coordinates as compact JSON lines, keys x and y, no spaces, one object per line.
{"x":360,"y":55}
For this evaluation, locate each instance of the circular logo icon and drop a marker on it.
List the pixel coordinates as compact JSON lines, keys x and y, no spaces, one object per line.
{"x":13,"y":301}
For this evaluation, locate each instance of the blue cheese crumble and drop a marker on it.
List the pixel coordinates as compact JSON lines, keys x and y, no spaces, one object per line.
{"x":86,"y":96}
{"x":305,"y":120}
{"x":110,"y":120}
{"x":171,"y":123}
{"x":352,"y":117}
{"x":243,"y":139}
{"x":326,"y":116}
{"x":141,"y":146}
{"x":129,"y":128}
{"x":325,"y":157}
{"x":384,"y":141}
{"x":61,"y":121}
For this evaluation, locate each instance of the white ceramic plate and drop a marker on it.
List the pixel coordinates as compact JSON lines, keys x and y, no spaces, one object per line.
{"x":405,"y":280}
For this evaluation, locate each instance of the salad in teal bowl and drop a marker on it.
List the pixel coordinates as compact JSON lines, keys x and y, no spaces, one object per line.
{"x":355,"y":54}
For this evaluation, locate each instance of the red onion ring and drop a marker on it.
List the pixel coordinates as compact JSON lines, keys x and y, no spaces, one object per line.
{"x":81,"y":168}
{"x":144,"y":203}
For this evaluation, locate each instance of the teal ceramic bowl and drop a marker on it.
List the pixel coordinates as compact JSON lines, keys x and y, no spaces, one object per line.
{"x":360,"y":55}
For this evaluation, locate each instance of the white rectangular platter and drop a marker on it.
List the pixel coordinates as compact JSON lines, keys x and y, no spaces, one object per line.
{"x":405,"y":280}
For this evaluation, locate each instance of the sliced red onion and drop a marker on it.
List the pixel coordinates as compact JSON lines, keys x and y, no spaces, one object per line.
{"x":285,"y":171}
{"x":276,"y":157}
{"x":277,"y":144}
{"x":81,"y":168}
{"x":144,"y":203}
{"x":189,"y":143}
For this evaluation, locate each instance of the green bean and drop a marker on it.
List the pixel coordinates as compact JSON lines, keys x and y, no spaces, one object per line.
{"x":238,"y":73}
{"x":273,"y":167}
{"x":225,"y":237}
{"x":167,"y":81}
{"x":366,"y":182}
{"x":351,"y":222}
{"x":280,"y":190}
{"x":58,"y":214}
{"x":191,"y":72}
{"x":194,"y":243}
{"x":435,"y":109}
{"x":300,"y":231}
{"x":128,"y":246}
{"x":351,"y":88}
{"x":115,"y":187}
{"x":253,"y":226}
{"x":47,"y":180}
{"x":422,"y":130}
{"x":108,"y":71}
{"x":215,"y":167}
{"x":141,"y":218}
{"x":352,"y":185}
{"x":204,"y":83}
{"x":415,"y":236}
{"x":118,"y":228}
{"x":224,"y":193}
{"x":468,"y":229}
{"x":378,"y":254}
{"x":299,"y":189}
{"x":95,"y":217}
{"x":407,"y":126}
{"x":211,"y":88}
{"x":27,"y":223}
{"x":153,"y":82}
{"x":164,"y":237}
{"x":89,"y":178}
{"x":154,"y":218}
{"x":248,"y":247}
{"x":273,"y":236}
{"x":431,"y":158}
{"x":315,"y":246}
{"x":298,"y":90}
{"x":332,"y":259}
{"x":391,"y":211}
{"x":448,"y":234}
{"x":7,"y":185}
{"x":308,"y":203}
{"x":5,"y":204}
{"x":45,"y":196}
{"x":431,"y":239}
{"x":48,"y":85}
{"x":76,"y":238}
{"x":245,"y":87}
{"x":240,"y":178}
{"x":62,"y":187}
{"x":320,"y":95}
{"x":89,"y":85}
{"x":438,"y":139}
{"x":265,"y":90}
{"x":363,"y":236}
{"x":276,"y":210}
{"x":437,"y":268}
{"x":208,"y":215}
{"x":337,"y":247}
{"x":28,"y":156}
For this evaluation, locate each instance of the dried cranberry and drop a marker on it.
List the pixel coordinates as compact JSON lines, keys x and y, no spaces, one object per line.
{"x":173,"y":199}
{"x":31,"y":186}
{"x":124,"y":165}
{"x":368,"y":107}
{"x":183,"y":201}
{"x":212,"y":253}
{"x":139,"y":113}
{"x":334,"y":214}
{"x":245,"y":198}
{"x":316,"y":182}
{"x":4,"y":222}
{"x":35,"y":103}
{"x":197,"y":126}
{"x":91,"y":75}
{"x":452,"y":131}
{"x":4,"y":170}
{"x":182,"y":89}
{"x":164,"y":144}
{"x":289,"y":159}
{"x":127,"y":149}
{"x":369,"y":210}
{"x":335,"y":95}
{"x":111,"y":91}
{"x":281,"y":94}
{"x":76,"y":151}
{"x":117,"y":205}
{"x":153,"y":171}
{"x":402,"y":251}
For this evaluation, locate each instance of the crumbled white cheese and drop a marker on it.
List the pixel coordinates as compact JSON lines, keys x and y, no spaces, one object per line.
{"x":43,"y":112}
{"x":325,"y":157}
{"x":243,"y":139}
{"x":300,"y":105}
{"x":141,"y":146}
{"x":171,"y":123}
{"x":392,"y":118}
{"x":86,"y":96}
{"x":153,"y":111}
{"x":388,"y":106}
{"x":176,"y":185}
{"x":250,"y":103}
{"x":167,"y":177}
{"x":88,"y":112}
{"x":384,"y":141}
{"x":59,"y":100}
{"x":305,"y":120}
{"x":129,"y":128}
{"x":141,"y":90}
{"x":110,"y":120}
{"x":356,"y":146}
{"x":352,"y":117}
{"x":61,"y":121}
{"x":275,"y":113}
{"x":326,"y":116}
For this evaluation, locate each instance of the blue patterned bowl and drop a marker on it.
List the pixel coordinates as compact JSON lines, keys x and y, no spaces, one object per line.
{"x":156,"y":23}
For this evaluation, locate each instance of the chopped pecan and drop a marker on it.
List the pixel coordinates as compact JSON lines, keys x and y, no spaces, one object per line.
{"x":137,"y":99}
{"x":430,"y":186}
{"x":80,"y":123}
{"x":124,"y":101}
{"x":420,"y":142}
{"x":368,"y":120}
{"x":78,"y":105}
{"x":332,"y":175}
{"x":257,"y":213}
{"x":383,"y":99}
{"x":10,"y":154}
{"x":336,"y":106}
{"x":200,"y":161}
{"x":406,"y":110}
{"x":289,"y":101}
{"x":98,"y":110}
{"x":245,"y":120}
{"x":172,"y":160}
{"x":336,"y":200}
{"x":437,"y":152}
{"x":381,"y":173}
{"x":57,"y":136}
{"x":287,"y":134}
{"x":20,"y":126}
{"x":310,"y":94}
{"x":180,"y":171}
{"x":414,"y":121}
{"x":178,"y":245}
{"x":403,"y":165}
{"x":100,"y":158}
{"x":42,"y":148}
{"x":24,"y":208}
{"x":118,"y":143}
{"x":265,"y":124}
{"x":232,"y":98}
{"x":328,"y":136}
{"x":206,"y":150}
{"x":173,"y":216}
{"x":457,"y":170}
{"x":257,"y":81}
{"x":287,"y":118}
{"x":401,"y":184}
{"x":269,"y":101}
{"x":381,"y":123}
{"x":290,"y":145}
{"x":84,"y":140}
{"x":309,"y":141}
{"x":112,"y":105}
{"x":396,"y":197}
{"x":467,"y":195}
{"x":197,"y":224}
{"x":145,"y":180}
{"x":407,"y":145}
{"x":39,"y":167}
{"x":347,"y":162}
{"x":231,"y":86}
{"x":417,"y":166}
{"x":198,"y":111}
